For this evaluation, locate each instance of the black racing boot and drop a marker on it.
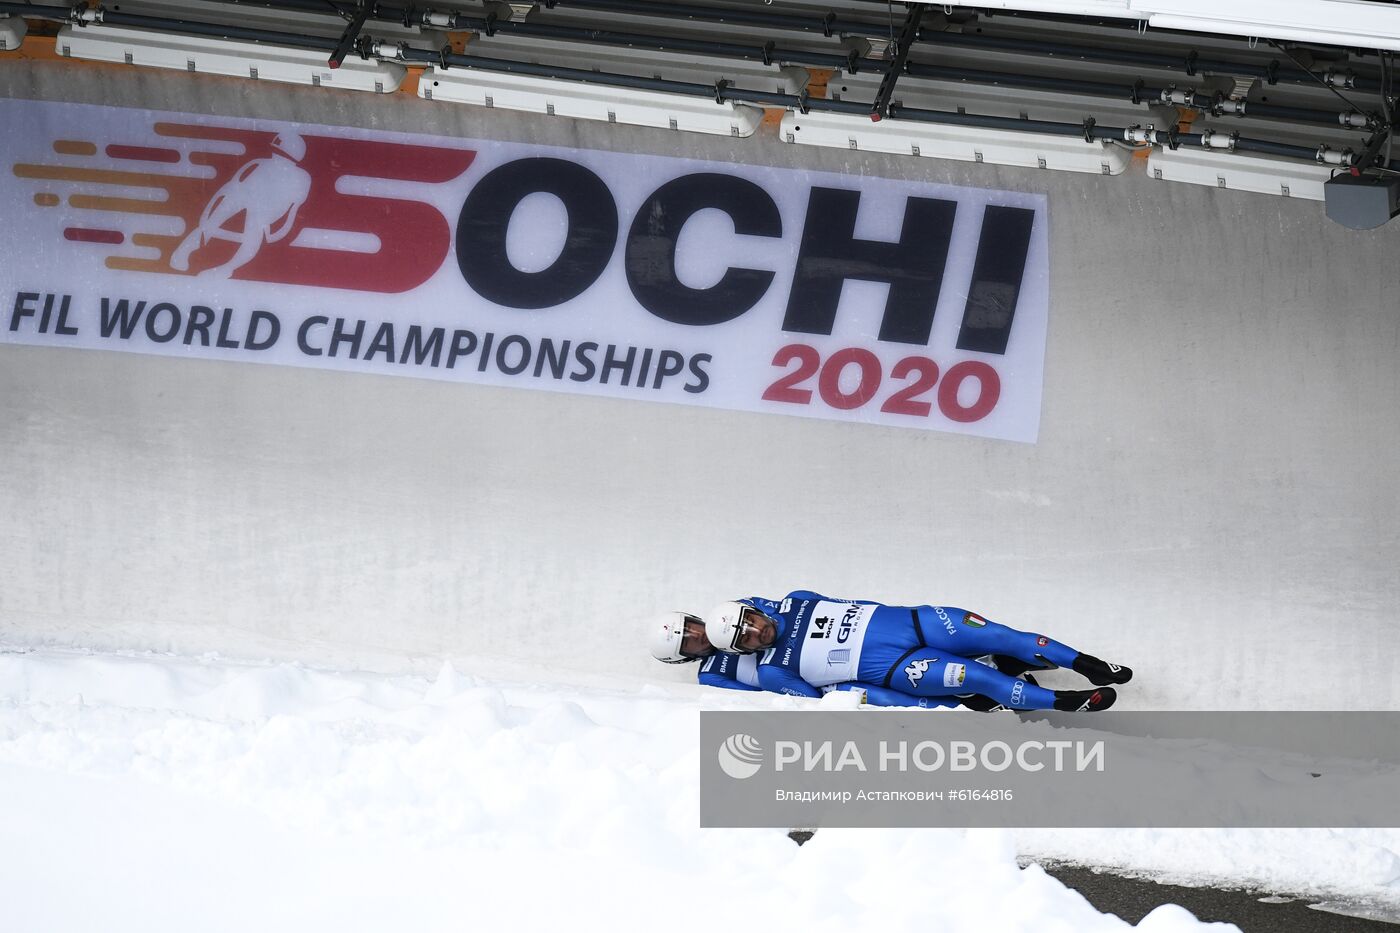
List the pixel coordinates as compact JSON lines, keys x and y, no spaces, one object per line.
{"x":1083,"y":701}
{"x":1101,"y":673}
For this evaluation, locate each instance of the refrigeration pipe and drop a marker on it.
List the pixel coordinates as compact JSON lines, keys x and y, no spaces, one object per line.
{"x":720,"y":92}
{"x":828,"y":25}
{"x":61,"y":14}
{"x":1220,"y":105}
{"x":1191,"y":63}
{"x":851,"y":63}
{"x":1139,"y":93}
{"x":767,"y":53}
{"x":84,"y":16}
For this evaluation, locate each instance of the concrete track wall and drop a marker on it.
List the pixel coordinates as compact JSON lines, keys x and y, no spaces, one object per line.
{"x":1213,"y":498}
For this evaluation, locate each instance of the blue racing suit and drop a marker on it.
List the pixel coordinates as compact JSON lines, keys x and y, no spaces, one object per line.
{"x":740,"y":672}
{"x":919,"y":650}
{"x":731,"y":671}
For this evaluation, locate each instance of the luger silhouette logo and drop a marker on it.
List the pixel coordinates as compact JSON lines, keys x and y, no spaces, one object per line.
{"x":740,"y":756}
{"x":279,"y":207}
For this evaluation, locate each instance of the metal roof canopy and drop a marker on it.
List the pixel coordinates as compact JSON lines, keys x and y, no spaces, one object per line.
{"x":1265,"y":96}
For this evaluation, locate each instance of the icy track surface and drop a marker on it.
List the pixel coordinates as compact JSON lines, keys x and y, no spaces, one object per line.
{"x":154,"y":793}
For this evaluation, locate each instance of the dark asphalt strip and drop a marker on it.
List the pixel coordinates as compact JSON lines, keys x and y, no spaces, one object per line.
{"x":1133,"y":898}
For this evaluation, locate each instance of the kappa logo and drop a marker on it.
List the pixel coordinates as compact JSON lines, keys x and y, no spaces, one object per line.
{"x":285,"y":208}
{"x":917,"y":669}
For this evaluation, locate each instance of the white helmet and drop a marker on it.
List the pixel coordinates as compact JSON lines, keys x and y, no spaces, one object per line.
{"x":290,"y":145}
{"x":667,"y":635}
{"x":723,"y":626}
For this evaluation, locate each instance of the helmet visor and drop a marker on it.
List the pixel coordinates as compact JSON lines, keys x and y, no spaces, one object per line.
{"x":693,"y":643}
{"x":749,"y":631}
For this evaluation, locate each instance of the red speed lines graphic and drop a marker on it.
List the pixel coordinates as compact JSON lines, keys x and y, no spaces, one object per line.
{"x":912,"y":380}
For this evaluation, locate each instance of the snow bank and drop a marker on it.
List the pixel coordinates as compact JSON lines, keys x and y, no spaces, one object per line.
{"x":167,"y":794}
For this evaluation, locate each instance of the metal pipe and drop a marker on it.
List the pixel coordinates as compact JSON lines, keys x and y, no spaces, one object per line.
{"x":59,"y":13}
{"x":1085,"y":53}
{"x":1190,"y":63}
{"x":1034,"y":82}
{"x":1280,"y":149}
{"x":220,"y":31}
{"x":1135,"y":93}
{"x":827,"y":25}
{"x":987,"y":121}
{"x":765,"y":54}
{"x":559,"y":72}
{"x":719,"y":92}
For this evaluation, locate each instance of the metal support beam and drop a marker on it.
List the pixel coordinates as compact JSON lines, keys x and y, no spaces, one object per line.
{"x":907,"y":34}
{"x":351,"y":34}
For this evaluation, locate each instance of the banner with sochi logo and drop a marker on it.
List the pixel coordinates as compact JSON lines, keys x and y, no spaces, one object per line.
{"x":898,"y":303}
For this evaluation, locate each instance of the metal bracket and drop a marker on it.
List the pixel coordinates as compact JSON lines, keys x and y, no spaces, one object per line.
{"x":907,"y":34}
{"x":1371,"y":154}
{"x":1089,"y":129}
{"x":82,"y":14}
{"x":351,"y":34}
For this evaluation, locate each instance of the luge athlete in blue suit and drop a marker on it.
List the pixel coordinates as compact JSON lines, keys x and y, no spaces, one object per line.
{"x":679,"y":637}
{"x":809,"y":641}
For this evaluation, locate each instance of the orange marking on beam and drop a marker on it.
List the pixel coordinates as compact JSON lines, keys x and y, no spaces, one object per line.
{"x":39,"y":48}
{"x":45,"y":199}
{"x":74,"y":147}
